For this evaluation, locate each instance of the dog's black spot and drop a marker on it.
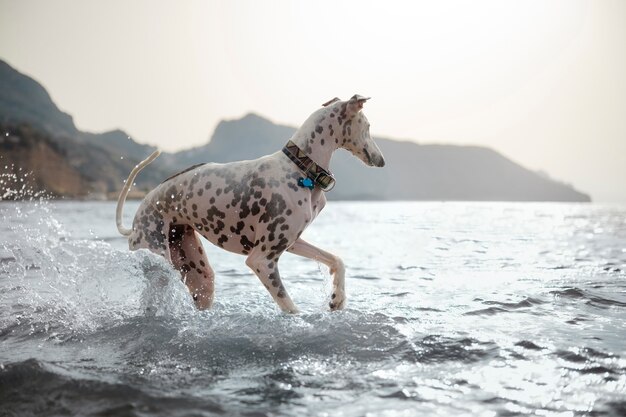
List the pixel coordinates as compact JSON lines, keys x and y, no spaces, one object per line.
{"x":258,"y":182}
{"x":213,"y":212}
{"x":273,"y":183}
{"x":246,"y":243}
{"x":281,"y":245}
{"x":219,"y":226}
{"x":274,"y":207}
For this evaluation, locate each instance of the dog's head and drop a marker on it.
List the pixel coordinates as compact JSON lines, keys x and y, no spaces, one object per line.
{"x":354,"y":130}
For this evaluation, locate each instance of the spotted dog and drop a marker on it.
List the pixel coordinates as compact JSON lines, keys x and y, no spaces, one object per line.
{"x":256,"y":208}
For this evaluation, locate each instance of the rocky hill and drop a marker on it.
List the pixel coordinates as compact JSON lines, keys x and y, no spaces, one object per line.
{"x":33,"y":165}
{"x":37,"y":137}
{"x":412,"y":171}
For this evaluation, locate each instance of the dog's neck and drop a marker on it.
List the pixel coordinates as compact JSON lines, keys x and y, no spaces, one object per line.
{"x":318,"y":137}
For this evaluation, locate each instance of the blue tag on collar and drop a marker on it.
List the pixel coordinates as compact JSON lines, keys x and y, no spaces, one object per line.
{"x":306,"y":182}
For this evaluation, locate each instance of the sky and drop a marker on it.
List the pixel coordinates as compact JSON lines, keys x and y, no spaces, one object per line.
{"x":543,"y":82}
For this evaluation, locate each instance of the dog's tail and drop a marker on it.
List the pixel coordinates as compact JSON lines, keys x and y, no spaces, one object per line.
{"x":129,"y":182}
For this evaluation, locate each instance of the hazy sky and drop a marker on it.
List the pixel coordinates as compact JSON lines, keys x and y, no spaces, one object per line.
{"x":543,"y":82}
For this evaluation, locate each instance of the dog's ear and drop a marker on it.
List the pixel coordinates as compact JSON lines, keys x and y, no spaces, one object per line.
{"x":355,"y":104}
{"x":331,"y":101}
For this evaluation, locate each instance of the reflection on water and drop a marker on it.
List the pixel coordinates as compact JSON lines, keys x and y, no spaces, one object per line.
{"x":454,"y":308}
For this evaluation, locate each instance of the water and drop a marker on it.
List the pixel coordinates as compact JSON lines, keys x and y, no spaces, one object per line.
{"x":454,"y":309}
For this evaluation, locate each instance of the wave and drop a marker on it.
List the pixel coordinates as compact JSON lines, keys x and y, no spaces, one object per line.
{"x":588,"y":297}
{"x":23,"y":384}
{"x":504,"y":307}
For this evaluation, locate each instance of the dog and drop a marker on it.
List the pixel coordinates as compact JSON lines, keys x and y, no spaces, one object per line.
{"x":256,"y":208}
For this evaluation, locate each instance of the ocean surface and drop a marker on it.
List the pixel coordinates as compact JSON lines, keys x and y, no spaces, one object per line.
{"x":477,"y":309}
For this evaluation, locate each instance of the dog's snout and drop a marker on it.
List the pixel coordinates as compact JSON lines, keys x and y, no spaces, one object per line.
{"x":377,"y":161}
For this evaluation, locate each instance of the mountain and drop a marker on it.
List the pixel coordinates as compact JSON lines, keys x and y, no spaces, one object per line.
{"x":40,"y":138}
{"x":23,"y":100}
{"x":412,"y":171}
{"x":24,"y":148}
{"x":234,"y":140}
{"x":33,"y":127}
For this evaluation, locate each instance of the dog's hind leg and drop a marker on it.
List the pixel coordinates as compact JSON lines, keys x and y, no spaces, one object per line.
{"x":338,"y":298}
{"x":187,"y":255}
{"x":267,"y":271}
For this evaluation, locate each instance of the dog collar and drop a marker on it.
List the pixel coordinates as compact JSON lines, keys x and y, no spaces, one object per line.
{"x":315,"y":174}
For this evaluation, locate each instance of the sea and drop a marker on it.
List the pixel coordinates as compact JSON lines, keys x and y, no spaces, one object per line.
{"x":454,"y":309}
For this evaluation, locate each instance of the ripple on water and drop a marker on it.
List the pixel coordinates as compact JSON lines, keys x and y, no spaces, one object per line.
{"x":589,"y":297}
{"x":504,"y":307}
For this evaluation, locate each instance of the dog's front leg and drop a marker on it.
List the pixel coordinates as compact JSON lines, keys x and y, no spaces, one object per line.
{"x":338,"y":298}
{"x":267,"y":271}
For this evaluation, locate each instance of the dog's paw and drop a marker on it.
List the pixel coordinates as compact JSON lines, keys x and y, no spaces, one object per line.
{"x":337,"y":301}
